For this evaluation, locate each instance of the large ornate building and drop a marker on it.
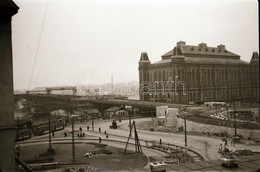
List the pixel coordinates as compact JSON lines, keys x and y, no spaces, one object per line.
{"x":190,"y":73}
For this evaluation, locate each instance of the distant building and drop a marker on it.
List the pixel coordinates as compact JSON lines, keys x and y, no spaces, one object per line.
{"x":197,"y":74}
{"x":115,"y":111}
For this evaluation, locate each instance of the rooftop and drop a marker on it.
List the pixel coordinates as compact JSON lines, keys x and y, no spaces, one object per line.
{"x":201,"y":53}
{"x":204,"y":60}
{"x":201,"y":49}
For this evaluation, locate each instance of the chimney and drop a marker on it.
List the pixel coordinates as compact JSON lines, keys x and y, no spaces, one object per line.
{"x":180,"y":44}
{"x":221,"y":47}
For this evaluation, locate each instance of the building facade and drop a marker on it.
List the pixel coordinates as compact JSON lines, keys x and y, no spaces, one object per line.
{"x":197,"y":74}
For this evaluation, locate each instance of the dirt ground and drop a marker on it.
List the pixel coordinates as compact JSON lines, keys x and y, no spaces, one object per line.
{"x":111,"y":158}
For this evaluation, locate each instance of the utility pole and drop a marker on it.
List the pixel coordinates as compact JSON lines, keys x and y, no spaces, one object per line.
{"x":73,"y":140}
{"x":235,"y":121}
{"x":130,"y":127}
{"x":49,"y":131}
{"x":50,"y":150}
{"x":138,"y":147}
{"x":185,"y":115}
{"x":227,"y":111}
{"x":185,"y":131}
{"x":92,"y":120}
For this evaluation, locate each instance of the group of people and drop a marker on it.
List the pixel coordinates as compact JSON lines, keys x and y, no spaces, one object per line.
{"x":81,"y":134}
{"x":223,"y":148}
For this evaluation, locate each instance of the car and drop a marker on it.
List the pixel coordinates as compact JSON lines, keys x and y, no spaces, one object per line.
{"x":114,"y":125}
{"x":236,"y":138}
{"x":229,"y":161}
{"x":88,"y":154}
{"x":157,"y":164}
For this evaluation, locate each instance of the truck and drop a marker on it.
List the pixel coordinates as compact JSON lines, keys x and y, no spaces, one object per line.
{"x":114,"y":125}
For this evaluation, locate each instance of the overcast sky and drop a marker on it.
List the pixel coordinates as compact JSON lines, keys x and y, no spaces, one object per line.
{"x":87,"y":41}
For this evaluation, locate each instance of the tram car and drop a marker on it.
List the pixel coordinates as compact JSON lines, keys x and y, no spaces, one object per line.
{"x":23,"y":133}
{"x":44,"y":128}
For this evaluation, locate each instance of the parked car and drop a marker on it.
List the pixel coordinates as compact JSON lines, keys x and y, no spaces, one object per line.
{"x":157,"y":164}
{"x":229,"y":161}
{"x":236,"y":138}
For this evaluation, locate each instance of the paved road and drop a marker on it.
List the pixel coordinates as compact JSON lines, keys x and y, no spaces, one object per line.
{"x":206,"y":146}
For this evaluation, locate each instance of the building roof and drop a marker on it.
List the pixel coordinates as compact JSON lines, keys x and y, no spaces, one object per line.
{"x":191,"y":50}
{"x":144,"y":57}
{"x":204,"y":60}
{"x":91,"y":111}
{"x":114,"y":109}
{"x":255,"y":56}
{"x":201,"y":53}
{"x":201,"y":49}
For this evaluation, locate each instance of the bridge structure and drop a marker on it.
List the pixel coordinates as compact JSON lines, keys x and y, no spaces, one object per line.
{"x":76,"y":102}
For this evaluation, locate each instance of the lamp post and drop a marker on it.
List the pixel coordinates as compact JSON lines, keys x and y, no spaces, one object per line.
{"x":227,"y":105}
{"x":73,"y":139}
{"x":50,"y":150}
{"x":235,"y":119}
{"x":185,"y":131}
{"x":185,"y":115}
{"x":92,"y":121}
{"x":129,"y":115}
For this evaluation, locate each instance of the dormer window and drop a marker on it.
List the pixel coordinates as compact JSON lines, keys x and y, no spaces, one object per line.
{"x":221,"y":47}
{"x":202,"y":45}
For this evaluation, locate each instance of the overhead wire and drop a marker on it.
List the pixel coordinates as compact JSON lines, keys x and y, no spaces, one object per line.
{"x":38,"y":45}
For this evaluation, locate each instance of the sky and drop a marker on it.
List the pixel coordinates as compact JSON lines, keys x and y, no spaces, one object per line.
{"x":74,"y":42}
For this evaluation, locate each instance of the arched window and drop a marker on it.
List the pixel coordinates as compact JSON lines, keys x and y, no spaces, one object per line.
{"x":159,"y":76}
{"x":155,"y":76}
{"x":163,"y":76}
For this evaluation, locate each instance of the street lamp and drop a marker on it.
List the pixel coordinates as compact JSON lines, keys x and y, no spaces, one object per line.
{"x":129,"y":115}
{"x":73,"y":138}
{"x":184,"y":114}
{"x":235,"y":119}
{"x":50,"y":150}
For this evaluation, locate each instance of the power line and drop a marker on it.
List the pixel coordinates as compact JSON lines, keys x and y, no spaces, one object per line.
{"x":38,"y":45}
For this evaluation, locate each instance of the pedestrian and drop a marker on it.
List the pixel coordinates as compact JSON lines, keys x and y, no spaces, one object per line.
{"x":99,"y":129}
{"x":78,"y":135}
{"x":88,"y":127}
{"x":80,"y":129}
{"x":65,"y":134}
{"x":226,"y":144}
{"x":105,"y":132}
{"x":83,"y":134}
{"x":99,"y":139}
{"x":107,"y":135}
{"x":52,"y":133}
{"x":160,"y":141}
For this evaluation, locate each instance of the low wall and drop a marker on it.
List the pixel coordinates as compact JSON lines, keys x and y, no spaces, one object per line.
{"x":197,"y":127}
